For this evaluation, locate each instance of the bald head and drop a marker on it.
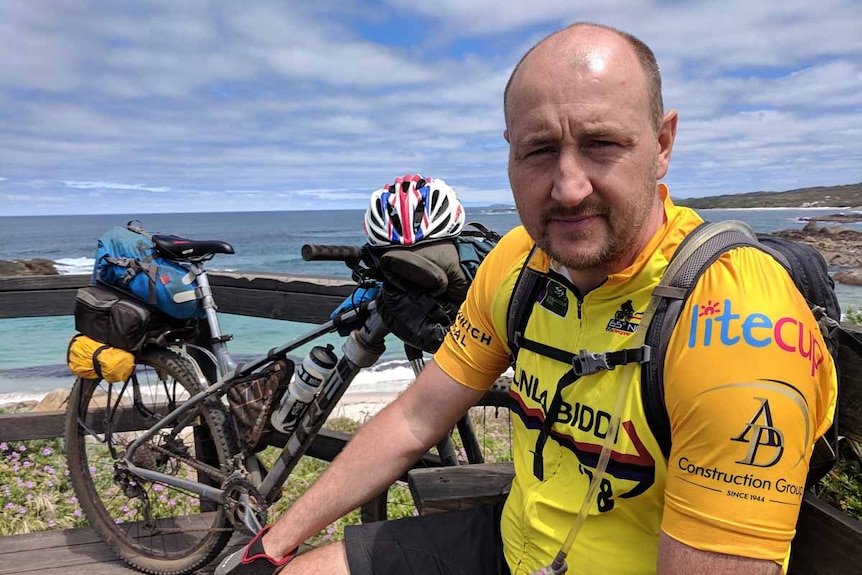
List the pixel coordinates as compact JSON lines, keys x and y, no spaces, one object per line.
{"x":591,"y":46}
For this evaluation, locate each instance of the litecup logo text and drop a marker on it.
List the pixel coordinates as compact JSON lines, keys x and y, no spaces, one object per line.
{"x":715,"y":322}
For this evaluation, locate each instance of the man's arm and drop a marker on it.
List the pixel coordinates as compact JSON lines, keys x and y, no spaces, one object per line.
{"x":380,"y":452}
{"x":675,"y":557}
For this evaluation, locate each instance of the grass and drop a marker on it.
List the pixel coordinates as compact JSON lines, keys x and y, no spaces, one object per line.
{"x":35,"y":488}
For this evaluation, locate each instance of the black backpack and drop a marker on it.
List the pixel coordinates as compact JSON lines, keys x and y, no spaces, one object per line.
{"x":696,"y":253}
{"x":473,"y":246}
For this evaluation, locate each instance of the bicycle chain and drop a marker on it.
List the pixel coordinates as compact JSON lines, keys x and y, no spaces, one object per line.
{"x":194,"y":463}
{"x":197,"y":465}
{"x":233,"y":485}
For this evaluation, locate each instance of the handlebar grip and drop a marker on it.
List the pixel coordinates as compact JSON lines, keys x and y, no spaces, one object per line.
{"x":312,"y":252}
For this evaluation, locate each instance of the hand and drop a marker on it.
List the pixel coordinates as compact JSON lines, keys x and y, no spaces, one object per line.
{"x":254,"y":553}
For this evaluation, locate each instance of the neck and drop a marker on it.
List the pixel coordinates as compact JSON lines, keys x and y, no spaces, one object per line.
{"x":586,"y":280}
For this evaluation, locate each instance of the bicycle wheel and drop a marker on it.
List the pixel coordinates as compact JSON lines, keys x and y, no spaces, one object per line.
{"x":154,"y":527}
{"x":476,"y":437}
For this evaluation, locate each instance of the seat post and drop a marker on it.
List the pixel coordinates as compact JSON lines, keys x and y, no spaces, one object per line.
{"x":218,"y":343}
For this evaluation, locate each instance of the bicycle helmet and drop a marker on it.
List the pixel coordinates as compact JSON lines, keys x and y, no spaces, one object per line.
{"x":413,"y":209}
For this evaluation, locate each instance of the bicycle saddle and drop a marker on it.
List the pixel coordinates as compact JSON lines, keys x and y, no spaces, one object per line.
{"x":177,"y":248}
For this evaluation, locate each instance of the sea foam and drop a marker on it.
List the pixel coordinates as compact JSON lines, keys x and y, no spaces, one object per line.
{"x":72,"y":266}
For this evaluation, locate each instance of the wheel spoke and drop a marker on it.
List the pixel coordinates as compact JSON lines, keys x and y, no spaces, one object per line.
{"x":152,"y":525}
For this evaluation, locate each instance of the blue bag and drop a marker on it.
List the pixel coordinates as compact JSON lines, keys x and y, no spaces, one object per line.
{"x":127,"y":260}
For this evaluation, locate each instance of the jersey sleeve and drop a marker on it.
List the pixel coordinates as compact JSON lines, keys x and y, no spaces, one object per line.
{"x":749,"y":386}
{"x":475,"y":351}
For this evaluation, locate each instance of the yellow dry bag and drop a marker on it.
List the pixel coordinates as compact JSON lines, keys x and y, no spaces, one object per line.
{"x":90,"y":359}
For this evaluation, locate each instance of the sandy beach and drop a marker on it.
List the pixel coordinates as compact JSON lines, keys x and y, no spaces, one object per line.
{"x":359,"y":406}
{"x":363,"y":405}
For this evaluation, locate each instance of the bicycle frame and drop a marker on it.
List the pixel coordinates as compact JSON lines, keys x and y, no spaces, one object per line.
{"x":362,"y":348}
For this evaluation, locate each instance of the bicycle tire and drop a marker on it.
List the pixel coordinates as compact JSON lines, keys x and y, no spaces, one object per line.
{"x":183,"y":533}
{"x":471,"y":451}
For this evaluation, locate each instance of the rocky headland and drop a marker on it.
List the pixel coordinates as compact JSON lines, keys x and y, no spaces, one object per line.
{"x":841,"y":247}
{"x":34,"y":267}
{"x":840,"y":218}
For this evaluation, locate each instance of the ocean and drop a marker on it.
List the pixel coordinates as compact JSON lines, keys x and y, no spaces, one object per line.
{"x":32,"y":350}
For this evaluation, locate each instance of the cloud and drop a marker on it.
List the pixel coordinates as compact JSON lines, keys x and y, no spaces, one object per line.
{"x":500,"y":16}
{"x":274,"y":105}
{"x":114,"y":186}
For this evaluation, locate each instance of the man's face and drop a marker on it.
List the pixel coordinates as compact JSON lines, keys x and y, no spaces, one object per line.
{"x":584,"y":156}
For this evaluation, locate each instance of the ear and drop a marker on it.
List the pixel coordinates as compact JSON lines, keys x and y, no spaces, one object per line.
{"x":506,"y":135}
{"x":666,"y":137}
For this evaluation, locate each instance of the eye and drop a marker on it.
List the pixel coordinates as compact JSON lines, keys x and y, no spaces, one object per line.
{"x":602,"y":144}
{"x":539,"y":151}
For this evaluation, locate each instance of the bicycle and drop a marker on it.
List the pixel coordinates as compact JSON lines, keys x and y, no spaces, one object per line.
{"x":168,"y":499}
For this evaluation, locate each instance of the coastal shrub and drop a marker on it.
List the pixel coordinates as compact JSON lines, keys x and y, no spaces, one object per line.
{"x":842,"y":487}
{"x":35,"y":490}
{"x":853,"y":315}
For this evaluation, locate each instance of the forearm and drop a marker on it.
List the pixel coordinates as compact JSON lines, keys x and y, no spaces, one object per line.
{"x":675,"y":557}
{"x":369,"y":463}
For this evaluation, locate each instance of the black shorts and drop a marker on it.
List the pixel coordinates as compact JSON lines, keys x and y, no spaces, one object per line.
{"x":464,"y":542}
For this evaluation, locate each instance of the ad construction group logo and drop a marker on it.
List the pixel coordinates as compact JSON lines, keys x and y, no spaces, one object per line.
{"x":626,"y":320}
{"x":765,"y":441}
{"x":757,"y":470}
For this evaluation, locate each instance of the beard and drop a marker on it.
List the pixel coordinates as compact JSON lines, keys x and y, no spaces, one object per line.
{"x":590,"y":249}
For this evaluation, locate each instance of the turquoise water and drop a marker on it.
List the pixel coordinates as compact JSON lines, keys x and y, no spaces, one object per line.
{"x":32,"y":350}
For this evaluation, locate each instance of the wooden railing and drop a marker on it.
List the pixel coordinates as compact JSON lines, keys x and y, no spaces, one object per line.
{"x":827,"y":541}
{"x":277,"y":296}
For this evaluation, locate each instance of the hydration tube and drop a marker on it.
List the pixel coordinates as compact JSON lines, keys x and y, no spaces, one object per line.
{"x":559,"y":565}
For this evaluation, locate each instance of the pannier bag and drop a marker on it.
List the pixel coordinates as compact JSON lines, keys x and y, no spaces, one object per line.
{"x":90,"y":359}
{"x":253,"y":397}
{"x":111,"y":317}
{"x":126,"y":259}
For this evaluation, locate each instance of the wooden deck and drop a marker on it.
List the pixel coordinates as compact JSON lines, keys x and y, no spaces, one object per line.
{"x":71,"y":552}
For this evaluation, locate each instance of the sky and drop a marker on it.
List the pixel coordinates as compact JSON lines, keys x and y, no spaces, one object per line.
{"x":198,"y":106}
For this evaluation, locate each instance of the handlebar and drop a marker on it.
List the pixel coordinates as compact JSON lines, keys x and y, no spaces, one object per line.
{"x":312,"y":252}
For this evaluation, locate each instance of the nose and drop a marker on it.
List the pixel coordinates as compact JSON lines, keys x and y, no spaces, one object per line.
{"x":571,"y":181}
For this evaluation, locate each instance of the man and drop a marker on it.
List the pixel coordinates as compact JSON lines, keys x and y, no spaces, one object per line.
{"x":745,"y":391}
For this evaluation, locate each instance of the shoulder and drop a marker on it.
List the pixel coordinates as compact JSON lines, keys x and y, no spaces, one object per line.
{"x":515,"y":244}
{"x":754,"y":279}
{"x":749,"y":385}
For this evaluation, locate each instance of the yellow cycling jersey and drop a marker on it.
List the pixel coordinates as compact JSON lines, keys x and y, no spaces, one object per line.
{"x":749,"y":386}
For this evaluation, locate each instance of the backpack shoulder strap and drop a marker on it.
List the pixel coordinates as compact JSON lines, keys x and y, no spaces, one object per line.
{"x":137,"y":227}
{"x":481,"y":231}
{"x":524,"y":295}
{"x":703,"y":246}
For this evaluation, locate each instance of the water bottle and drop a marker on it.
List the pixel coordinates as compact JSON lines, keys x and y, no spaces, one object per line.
{"x":315,"y":367}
